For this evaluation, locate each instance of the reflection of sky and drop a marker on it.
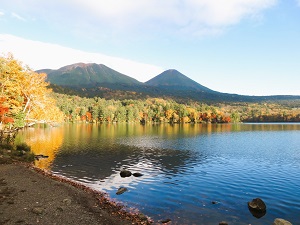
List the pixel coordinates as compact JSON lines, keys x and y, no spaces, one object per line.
{"x":185,"y":172}
{"x":114,"y":181}
{"x":158,"y":142}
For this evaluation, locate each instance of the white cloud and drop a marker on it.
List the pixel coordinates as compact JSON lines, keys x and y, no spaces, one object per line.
{"x":197,"y":14}
{"x":15,"y":15}
{"x":192,"y":16}
{"x":1,"y":13}
{"x":40,"y":55}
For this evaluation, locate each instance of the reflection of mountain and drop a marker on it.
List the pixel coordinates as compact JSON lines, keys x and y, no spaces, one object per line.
{"x":44,"y":141}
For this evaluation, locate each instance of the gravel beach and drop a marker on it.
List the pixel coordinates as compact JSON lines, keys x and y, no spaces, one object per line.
{"x":31,"y":196}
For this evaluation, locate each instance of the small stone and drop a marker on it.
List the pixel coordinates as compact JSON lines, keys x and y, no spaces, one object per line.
{"x":38,"y":210}
{"x":10,"y":202}
{"x":279,"y":221}
{"x":137,"y":174}
{"x":142,"y":216}
{"x":166,"y":221}
{"x":121,"y":190}
{"x":258,"y":205}
{"x":257,"y":208}
{"x":60,"y":209}
{"x":125,"y":173}
{"x":223,"y":223}
{"x":67,"y":201}
{"x":3,"y":182}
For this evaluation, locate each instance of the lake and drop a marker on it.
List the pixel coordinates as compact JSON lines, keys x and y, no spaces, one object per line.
{"x":192,"y":173}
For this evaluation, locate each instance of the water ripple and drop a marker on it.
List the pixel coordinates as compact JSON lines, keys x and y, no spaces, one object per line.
{"x":197,"y":178}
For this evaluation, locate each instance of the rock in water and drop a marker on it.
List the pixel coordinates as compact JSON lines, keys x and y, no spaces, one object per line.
{"x":137,"y":174}
{"x":257,"y":207}
{"x":223,"y":223}
{"x":281,"y":222}
{"x":125,"y":173}
{"x":165,"y":221}
{"x":121,"y":190}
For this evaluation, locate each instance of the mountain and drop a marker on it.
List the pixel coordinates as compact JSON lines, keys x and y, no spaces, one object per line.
{"x":87,"y":75}
{"x":90,"y":80}
{"x":173,"y":79}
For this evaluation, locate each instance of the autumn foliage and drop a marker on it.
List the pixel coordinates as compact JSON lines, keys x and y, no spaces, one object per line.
{"x":4,"y":119}
{"x":24,"y":95}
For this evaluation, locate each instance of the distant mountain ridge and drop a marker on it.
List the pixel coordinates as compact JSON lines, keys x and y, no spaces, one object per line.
{"x":87,"y":75}
{"x":90,"y":80}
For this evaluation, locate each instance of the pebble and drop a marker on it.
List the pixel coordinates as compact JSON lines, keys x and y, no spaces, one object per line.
{"x":279,"y":221}
{"x":137,"y":174}
{"x":67,"y":201}
{"x":121,"y":190}
{"x":223,"y":223}
{"x":166,"y":221}
{"x":38,"y":210}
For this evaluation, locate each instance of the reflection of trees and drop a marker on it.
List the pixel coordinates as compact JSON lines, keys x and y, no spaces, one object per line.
{"x":99,"y":151}
{"x":44,"y":141}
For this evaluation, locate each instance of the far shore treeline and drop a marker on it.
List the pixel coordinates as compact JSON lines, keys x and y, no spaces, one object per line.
{"x":158,"y":110}
{"x":25,"y":98}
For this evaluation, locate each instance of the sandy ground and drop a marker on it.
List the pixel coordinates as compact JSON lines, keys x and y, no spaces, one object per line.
{"x":30,"y":196}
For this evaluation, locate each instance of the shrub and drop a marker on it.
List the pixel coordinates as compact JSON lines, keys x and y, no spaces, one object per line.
{"x":23,"y":147}
{"x":6,"y":146}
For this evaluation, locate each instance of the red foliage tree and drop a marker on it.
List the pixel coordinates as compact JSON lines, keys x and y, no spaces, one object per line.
{"x":4,"y":119}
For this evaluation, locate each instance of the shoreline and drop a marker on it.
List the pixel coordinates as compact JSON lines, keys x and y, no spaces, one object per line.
{"x":29,"y":195}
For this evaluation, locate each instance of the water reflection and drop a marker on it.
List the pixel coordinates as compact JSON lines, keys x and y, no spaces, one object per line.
{"x":185,"y":167}
{"x":43,"y":141}
{"x":100,"y":164}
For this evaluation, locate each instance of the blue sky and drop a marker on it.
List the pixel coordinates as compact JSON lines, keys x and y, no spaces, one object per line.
{"x":249,"y":47}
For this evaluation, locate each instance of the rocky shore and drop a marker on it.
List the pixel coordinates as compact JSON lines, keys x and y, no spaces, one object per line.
{"x":32,"y":196}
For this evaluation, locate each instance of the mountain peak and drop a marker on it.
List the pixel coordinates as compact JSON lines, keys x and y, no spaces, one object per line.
{"x":81,"y":65}
{"x":173,"y":78}
{"x":87,"y":74}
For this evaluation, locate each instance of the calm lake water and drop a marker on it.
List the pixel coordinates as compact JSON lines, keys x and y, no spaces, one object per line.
{"x":186,"y":167}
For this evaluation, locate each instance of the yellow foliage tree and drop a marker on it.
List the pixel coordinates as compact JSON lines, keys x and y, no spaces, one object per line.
{"x":26,"y":92}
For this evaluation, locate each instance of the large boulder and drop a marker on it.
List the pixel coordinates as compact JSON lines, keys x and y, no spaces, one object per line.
{"x":281,"y":222}
{"x":257,"y":207}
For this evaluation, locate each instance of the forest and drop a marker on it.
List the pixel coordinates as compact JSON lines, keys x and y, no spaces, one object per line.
{"x":158,"y":110}
{"x":26,"y":99}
